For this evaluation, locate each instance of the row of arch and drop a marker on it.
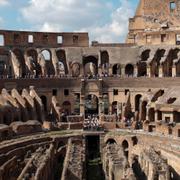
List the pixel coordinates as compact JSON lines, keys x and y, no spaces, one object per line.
{"x":162,"y":61}
{"x":41,"y":63}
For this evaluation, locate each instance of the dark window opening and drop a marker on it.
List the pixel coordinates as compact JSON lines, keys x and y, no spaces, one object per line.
{"x":171,"y":100}
{"x":75,"y":39}
{"x":45,"y":38}
{"x":66,"y":92}
{"x":54,"y":92}
{"x":115,"y":92}
{"x":126,"y":91}
{"x":16,"y":38}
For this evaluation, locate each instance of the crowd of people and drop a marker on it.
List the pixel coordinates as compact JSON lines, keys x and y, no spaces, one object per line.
{"x":92,"y":123}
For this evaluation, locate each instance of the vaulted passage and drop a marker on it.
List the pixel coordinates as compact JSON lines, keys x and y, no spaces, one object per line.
{"x":94,"y":169}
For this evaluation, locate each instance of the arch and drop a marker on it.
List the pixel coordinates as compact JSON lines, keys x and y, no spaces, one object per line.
{"x":143,"y":109}
{"x":66,"y":106}
{"x":145,"y":55}
{"x":134,"y":140}
{"x":61,"y":55}
{"x":90,"y":64}
{"x":114,"y":107}
{"x":4,"y":63}
{"x":129,"y":70}
{"x":151,"y":115}
{"x":46,"y":53}
{"x":125,"y":146}
{"x":75,"y":69}
{"x":155,"y":64}
{"x":44,"y":102}
{"x":105,"y":99}
{"x":91,"y":105}
{"x":168,"y":64}
{"x":111,"y":141}
{"x":116,"y":69}
{"x":142,"y":69}
{"x":105,"y":61}
{"x":20,"y":57}
{"x":137,"y":101}
{"x":34,"y":63}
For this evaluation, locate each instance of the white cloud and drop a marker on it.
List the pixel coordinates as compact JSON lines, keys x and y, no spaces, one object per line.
{"x":4,"y":2}
{"x":99,"y":17}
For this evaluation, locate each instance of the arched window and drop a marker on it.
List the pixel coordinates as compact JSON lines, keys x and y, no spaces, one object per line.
{"x":111,"y":141}
{"x":129,"y":70}
{"x":116,"y":69}
{"x":137,"y":101}
{"x":20,"y":57}
{"x":90,"y":64}
{"x":44,"y":102}
{"x":114,"y":107}
{"x":61,"y":55}
{"x":66,"y":107}
{"x":46,"y":54}
{"x":125,"y":146}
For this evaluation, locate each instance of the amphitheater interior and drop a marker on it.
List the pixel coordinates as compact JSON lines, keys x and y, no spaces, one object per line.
{"x":72,"y":110}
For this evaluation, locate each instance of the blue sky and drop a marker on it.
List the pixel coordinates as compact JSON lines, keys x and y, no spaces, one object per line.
{"x":105,"y":20}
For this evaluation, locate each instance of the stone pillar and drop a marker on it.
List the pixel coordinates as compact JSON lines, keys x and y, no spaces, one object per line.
{"x":161,"y":71}
{"x":140,"y":111}
{"x":156,"y":115}
{"x":82,"y":105}
{"x":100,"y":70}
{"x":123,"y":70}
{"x":81,"y":70}
{"x":147,"y":113}
{"x":110,"y":69}
{"x":174,"y":73}
{"x":100,"y":106}
{"x":135,"y":71}
{"x":148,"y":71}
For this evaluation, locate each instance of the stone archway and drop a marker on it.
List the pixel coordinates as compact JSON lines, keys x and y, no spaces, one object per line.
{"x":125,"y":146}
{"x":111,"y":141}
{"x":90,"y":64}
{"x":114,"y":107}
{"x":20,"y":58}
{"x":47,"y":55}
{"x":143,"y":110}
{"x":129,"y":70}
{"x":91,"y":105}
{"x":105,"y":61}
{"x":44,"y":102}
{"x":137,"y":101}
{"x":63,"y":66}
{"x":116,"y":69}
{"x":32,"y":62}
{"x":66,"y":106}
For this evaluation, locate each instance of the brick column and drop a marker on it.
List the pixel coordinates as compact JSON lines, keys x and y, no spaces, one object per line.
{"x":135,"y":71}
{"x":82,"y":105}
{"x":148,"y":71}
{"x":161,"y":71}
{"x":174,"y":73}
{"x":123,"y":70}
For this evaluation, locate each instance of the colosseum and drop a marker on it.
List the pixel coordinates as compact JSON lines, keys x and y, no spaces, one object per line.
{"x":70,"y":107}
